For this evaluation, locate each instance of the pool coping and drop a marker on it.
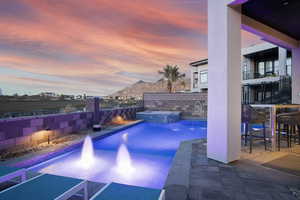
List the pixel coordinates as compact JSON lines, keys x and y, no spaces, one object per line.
{"x":26,"y":162}
{"x":177,"y":186}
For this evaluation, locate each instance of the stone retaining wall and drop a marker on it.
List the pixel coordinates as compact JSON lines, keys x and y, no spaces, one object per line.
{"x":106,"y":115}
{"x":190,"y":104}
{"x":33,"y":130}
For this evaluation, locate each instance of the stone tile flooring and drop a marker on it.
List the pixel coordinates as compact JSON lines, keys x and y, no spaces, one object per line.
{"x":245,"y":179}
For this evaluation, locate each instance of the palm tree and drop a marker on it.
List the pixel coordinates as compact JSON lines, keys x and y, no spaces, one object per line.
{"x":171,"y":74}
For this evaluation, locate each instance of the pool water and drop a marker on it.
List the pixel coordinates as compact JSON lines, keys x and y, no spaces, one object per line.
{"x":151,"y":146}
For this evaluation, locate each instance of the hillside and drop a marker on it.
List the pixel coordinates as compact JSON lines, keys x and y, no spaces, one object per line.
{"x":137,"y":89}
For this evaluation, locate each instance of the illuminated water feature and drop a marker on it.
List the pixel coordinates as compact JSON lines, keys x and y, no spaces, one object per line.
{"x":123,"y":162}
{"x":140,"y":155}
{"x":87,"y":154}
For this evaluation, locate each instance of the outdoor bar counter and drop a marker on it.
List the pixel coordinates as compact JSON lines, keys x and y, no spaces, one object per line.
{"x":273,"y":111}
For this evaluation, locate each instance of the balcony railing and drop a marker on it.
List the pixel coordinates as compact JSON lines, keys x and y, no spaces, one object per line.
{"x":251,"y":75}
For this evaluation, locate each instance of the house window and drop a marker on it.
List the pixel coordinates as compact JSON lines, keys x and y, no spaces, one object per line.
{"x":289,"y":66}
{"x":203,"y":76}
{"x":269,"y":67}
{"x":276,"y":67}
{"x":195,"y":82}
{"x":246,"y":72}
{"x":245,"y":66}
{"x":261,"y":68}
{"x":195,"y":75}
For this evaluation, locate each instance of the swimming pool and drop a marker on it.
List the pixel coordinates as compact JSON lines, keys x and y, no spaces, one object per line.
{"x":151,"y":146}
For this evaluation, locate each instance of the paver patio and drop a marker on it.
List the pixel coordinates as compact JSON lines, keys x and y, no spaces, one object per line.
{"x":244,"y":179}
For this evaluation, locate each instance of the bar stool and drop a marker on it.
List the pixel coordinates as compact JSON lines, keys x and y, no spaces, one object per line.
{"x":249,"y":117}
{"x":291,"y":123}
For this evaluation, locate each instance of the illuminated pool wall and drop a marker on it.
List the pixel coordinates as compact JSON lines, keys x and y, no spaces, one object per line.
{"x":26,"y":131}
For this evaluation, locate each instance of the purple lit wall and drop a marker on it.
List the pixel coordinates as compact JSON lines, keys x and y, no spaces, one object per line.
{"x":22,"y":131}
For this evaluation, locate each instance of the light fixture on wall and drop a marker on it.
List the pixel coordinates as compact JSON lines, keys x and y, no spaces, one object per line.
{"x":118,"y":120}
{"x":48,"y":130}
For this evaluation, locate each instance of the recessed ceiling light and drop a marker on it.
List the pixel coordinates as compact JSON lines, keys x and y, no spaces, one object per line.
{"x":285,"y":3}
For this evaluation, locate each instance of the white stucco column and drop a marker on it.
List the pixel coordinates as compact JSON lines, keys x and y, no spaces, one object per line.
{"x":296,"y":76}
{"x":224,"y":82}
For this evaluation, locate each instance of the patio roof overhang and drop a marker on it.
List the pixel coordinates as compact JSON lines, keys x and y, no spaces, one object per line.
{"x":277,"y":24}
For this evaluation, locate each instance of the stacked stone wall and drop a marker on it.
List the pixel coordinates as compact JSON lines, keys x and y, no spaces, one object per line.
{"x":192,"y":105}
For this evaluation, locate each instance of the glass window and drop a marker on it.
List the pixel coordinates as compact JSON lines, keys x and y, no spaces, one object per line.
{"x":203,"y":76}
{"x":269,"y":67}
{"x":289,"y":66}
{"x":245,"y":70}
{"x":276,"y":67}
{"x":261,"y":68}
{"x":245,"y":67}
{"x":195,"y":74}
{"x":195,"y":82}
{"x":258,"y":96}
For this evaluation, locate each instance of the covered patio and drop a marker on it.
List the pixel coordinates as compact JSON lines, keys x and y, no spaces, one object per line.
{"x":222,"y":168}
{"x":273,"y":21}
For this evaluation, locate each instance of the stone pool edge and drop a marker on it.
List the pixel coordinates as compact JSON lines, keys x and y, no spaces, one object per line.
{"x":34,"y":160}
{"x":178,"y":179}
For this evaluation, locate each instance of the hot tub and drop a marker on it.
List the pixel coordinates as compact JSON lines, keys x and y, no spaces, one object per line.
{"x":159,"y":116}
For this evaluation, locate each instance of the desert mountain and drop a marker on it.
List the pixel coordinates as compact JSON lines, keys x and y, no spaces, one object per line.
{"x":137,"y":89}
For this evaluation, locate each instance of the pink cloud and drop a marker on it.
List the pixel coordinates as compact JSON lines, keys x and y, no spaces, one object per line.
{"x":75,"y":38}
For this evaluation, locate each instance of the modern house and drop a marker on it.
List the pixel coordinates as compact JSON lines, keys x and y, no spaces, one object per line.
{"x":225,"y":20}
{"x":266,"y":74}
{"x":48,"y":94}
{"x":199,"y":75}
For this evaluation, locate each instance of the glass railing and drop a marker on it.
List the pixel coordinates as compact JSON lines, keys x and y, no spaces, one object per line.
{"x":21,"y":106}
{"x":11,"y":107}
{"x":251,"y":75}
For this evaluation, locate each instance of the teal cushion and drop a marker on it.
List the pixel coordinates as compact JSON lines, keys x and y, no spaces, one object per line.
{"x":116,"y":191}
{"x":45,"y":187}
{"x":4,"y":170}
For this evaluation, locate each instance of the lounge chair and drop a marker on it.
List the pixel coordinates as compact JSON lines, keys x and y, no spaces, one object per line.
{"x":113,"y":191}
{"x":9,"y":173}
{"x":46,"y":187}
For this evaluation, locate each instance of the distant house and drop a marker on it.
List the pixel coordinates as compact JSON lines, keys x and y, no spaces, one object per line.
{"x":265,"y":71}
{"x":199,"y":75}
{"x":69,"y":97}
{"x":90,"y":97}
{"x":48,"y":94}
{"x":79,"y":97}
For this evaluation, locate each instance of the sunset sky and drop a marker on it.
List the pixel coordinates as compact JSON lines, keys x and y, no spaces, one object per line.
{"x":97,"y":46}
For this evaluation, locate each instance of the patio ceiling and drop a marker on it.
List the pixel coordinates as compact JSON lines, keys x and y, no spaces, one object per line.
{"x":282,"y":15}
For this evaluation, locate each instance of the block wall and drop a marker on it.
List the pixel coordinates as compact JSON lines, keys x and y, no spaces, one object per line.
{"x":192,"y":105}
{"x":24,"y":131}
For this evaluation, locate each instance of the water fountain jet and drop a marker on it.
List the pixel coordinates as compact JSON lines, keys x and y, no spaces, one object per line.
{"x":124,"y":164}
{"x":125,"y":137}
{"x":87,"y":154}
